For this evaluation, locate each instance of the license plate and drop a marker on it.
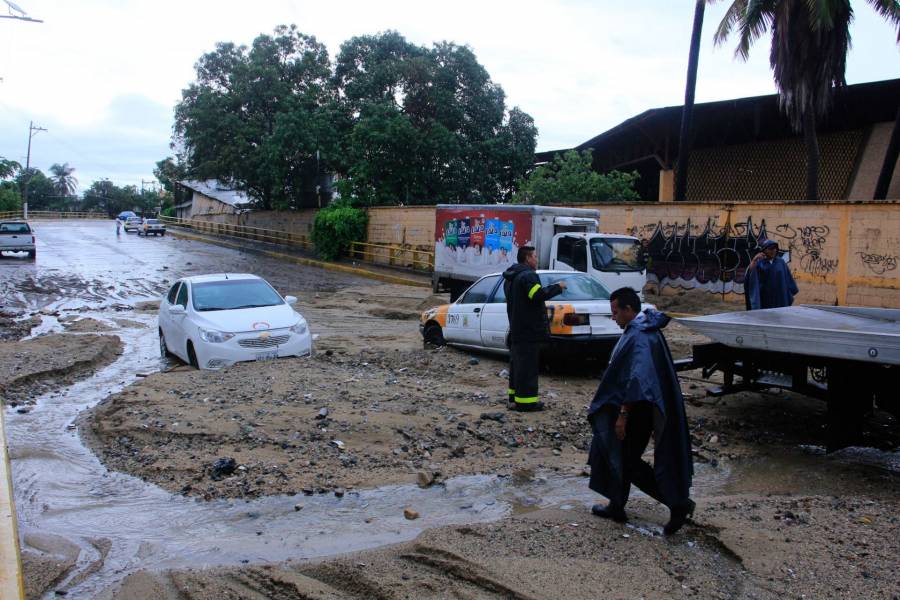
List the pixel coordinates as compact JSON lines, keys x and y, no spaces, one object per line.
{"x":270,"y":355}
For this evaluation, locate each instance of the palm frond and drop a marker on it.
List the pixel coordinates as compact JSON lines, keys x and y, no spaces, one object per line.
{"x":756,"y":22}
{"x":732,"y":17}
{"x":890,"y":10}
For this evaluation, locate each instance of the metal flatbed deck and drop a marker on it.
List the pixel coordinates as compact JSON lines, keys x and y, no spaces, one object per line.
{"x":869,"y":335}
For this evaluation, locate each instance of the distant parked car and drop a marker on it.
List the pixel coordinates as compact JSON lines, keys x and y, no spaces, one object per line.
{"x":17,"y":236}
{"x":152,"y":226}
{"x":132,"y":224}
{"x":213,"y":321}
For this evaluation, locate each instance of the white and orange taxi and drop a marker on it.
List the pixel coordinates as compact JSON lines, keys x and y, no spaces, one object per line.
{"x":580,"y":318}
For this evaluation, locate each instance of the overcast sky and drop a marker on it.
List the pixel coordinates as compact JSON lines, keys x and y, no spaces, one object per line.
{"x":103,"y":75}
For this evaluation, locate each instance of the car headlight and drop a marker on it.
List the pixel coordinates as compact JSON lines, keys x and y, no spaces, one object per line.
{"x":214,"y":337}
{"x":299,"y":327}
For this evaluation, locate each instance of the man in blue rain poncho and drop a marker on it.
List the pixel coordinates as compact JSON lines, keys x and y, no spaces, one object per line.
{"x":769,"y":283}
{"x":639,"y":397}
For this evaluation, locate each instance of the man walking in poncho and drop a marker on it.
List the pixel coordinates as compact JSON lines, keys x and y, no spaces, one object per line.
{"x":769,"y":283}
{"x":639,"y":397}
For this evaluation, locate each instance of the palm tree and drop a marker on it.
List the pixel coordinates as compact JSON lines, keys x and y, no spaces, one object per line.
{"x":64,"y":182}
{"x":810,"y":40}
{"x":687,"y":112}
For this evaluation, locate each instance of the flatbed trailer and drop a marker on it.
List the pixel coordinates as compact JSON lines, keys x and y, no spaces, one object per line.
{"x":847,"y":356}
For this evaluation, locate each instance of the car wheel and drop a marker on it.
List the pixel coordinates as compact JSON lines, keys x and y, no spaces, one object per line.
{"x":163,"y":348}
{"x":192,"y":356}
{"x":433,"y":335}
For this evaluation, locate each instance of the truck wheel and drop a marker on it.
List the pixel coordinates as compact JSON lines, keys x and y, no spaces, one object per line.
{"x":32,"y":253}
{"x":433,"y":335}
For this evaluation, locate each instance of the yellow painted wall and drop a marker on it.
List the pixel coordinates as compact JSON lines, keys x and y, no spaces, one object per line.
{"x":845,"y":253}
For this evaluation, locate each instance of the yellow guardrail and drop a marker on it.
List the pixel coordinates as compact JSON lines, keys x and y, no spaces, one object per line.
{"x":52,"y":214}
{"x":393,"y":255}
{"x":273,"y":236}
{"x":12,"y":584}
{"x":385,"y":254}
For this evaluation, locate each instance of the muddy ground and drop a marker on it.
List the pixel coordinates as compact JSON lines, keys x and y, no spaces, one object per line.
{"x":373,"y":407}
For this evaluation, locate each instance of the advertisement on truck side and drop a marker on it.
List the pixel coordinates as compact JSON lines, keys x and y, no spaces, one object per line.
{"x":479,"y":241}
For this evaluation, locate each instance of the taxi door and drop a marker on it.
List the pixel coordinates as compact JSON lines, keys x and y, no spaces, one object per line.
{"x":464,"y":316}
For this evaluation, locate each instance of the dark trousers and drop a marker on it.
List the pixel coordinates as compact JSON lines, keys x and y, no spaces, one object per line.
{"x":524,"y":359}
{"x":638,"y":430}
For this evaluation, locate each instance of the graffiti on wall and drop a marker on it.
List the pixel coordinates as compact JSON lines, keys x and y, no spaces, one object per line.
{"x":879,"y":263}
{"x":715,"y":257}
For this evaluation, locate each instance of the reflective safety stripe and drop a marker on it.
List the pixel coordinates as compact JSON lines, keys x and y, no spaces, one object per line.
{"x":533,"y":291}
{"x":530,"y":400}
{"x":510,"y":392}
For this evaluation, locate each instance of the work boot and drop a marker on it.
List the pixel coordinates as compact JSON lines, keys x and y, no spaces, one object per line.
{"x":529,"y":406}
{"x":679,"y":517}
{"x":609,"y":511}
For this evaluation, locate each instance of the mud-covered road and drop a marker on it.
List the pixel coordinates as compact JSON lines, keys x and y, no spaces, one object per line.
{"x":378,"y":446}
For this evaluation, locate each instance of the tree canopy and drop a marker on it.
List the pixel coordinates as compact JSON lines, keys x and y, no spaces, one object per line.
{"x":399,"y":123}
{"x":570,"y":179}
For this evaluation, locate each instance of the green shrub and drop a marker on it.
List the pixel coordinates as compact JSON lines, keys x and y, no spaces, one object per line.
{"x":168,"y":211}
{"x":336,"y":226}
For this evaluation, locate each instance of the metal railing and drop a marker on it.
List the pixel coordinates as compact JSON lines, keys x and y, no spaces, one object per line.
{"x":393,"y":255}
{"x":259,"y":234}
{"x":52,"y":214}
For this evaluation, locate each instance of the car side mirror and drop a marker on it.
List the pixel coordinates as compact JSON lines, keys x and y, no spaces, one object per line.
{"x":177,"y":309}
{"x":291,"y":300}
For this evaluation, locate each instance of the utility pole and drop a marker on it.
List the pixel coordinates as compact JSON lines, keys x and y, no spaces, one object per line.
{"x":32,"y":131}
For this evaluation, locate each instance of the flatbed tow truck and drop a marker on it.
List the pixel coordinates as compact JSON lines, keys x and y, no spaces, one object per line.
{"x":847,"y":356}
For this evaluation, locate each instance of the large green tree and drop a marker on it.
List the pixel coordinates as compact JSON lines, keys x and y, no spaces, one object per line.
{"x":41,"y":194}
{"x":104,"y":195}
{"x":571,"y":179}
{"x":427,"y":124}
{"x":262,"y":118}
{"x":8,"y":168}
{"x":808,"y":55}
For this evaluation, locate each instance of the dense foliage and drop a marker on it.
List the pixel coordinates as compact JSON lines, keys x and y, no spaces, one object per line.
{"x":570,"y":179}
{"x":336,"y":226}
{"x":400,"y":123}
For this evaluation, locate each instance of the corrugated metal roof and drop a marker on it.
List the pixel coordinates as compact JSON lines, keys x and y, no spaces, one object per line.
{"x":218,"y":191}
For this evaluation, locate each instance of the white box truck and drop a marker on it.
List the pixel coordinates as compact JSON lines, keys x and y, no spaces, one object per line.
{"x":472,"y":240}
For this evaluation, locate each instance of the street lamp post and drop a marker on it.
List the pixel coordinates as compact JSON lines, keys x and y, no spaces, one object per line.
{"x":32,"y":131}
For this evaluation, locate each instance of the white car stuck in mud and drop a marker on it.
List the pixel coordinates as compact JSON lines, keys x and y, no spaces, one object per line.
{"x":213,"y":321}
{"x":580,"y":318}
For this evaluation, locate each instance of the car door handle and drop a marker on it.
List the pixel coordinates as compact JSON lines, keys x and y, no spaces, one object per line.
{"x":478,"y":310}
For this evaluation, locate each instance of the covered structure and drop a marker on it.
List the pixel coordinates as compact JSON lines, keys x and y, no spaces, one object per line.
{"x":210,"y":198}
{"x":744,"y":149}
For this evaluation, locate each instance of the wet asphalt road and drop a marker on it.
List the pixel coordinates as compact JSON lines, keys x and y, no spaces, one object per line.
{"x":84,"y":264}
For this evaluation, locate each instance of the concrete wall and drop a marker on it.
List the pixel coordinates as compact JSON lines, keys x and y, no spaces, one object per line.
{"x":840,"y":252}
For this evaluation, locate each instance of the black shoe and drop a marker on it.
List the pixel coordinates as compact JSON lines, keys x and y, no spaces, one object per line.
{"x":679,"y":517}
{"x":528,"y":407}
{"x":609,"y":512}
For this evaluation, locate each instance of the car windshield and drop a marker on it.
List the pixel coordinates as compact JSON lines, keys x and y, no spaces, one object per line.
{"x":579,"y":287}
{"x":14,"y":228}
{"x":152,"y":221}
{"x":233,"y":294}
{"x":618,"y":255}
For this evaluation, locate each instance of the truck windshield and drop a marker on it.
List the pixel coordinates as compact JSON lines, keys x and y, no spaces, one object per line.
{"x":579,"y":287}
{"x":617,"y":255}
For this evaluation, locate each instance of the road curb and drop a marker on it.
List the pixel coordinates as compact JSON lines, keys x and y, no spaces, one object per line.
{"x":309,"y":262}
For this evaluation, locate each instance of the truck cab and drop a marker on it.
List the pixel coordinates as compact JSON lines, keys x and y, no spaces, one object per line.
{"x":615,"y":261}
